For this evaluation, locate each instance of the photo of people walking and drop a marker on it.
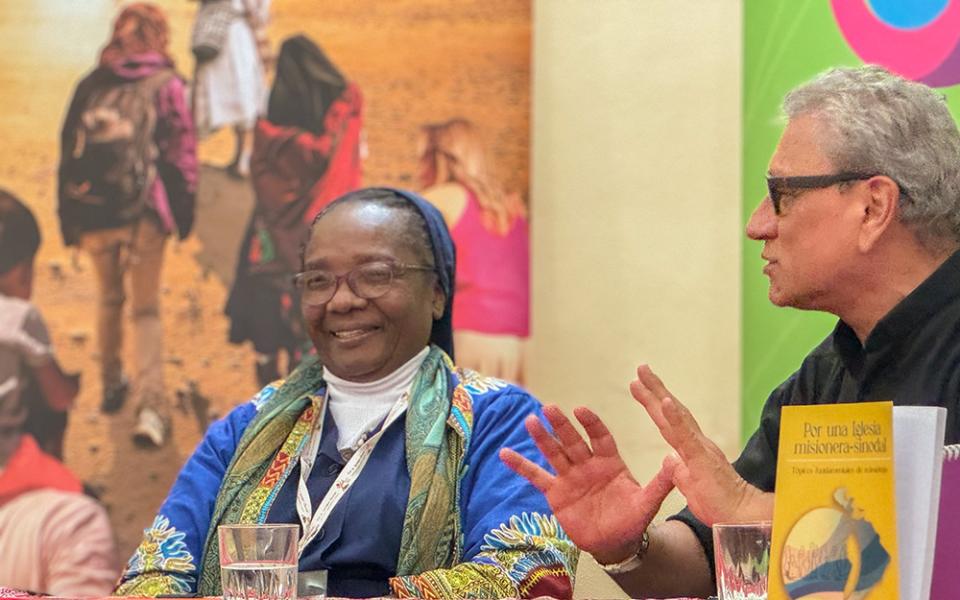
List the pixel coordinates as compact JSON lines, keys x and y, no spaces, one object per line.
{"x":174,"y":154}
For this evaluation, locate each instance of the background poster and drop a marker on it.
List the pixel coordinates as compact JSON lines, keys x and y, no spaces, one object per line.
{"x":416,"y":62}
{"x":785,"y":44}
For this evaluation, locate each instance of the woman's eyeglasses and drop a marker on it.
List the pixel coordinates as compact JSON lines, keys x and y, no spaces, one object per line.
{"x":368,"y":281}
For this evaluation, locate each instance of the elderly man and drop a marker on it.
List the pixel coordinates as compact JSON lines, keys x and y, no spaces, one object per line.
{"x":862,"y":220}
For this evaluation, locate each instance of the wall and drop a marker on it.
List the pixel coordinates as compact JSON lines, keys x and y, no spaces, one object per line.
{"x":636,"y":215}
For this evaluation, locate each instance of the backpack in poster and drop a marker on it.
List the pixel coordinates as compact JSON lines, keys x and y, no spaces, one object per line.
{"x":110,"y":159}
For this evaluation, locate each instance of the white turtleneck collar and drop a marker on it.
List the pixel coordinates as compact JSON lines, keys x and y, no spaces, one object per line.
{"x":358,"y":408}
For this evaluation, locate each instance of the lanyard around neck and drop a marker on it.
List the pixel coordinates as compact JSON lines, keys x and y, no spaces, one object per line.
{"x":312,"y":522}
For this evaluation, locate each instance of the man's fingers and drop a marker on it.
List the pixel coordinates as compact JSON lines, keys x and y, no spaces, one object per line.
{"x":652,"y":382}
{"x":527,"y":469}
{"x":675,"y":422}
{"x":573,"y":445}
{"x":548,"y":445}
{"x":650,"y":392}
{"x":685,"y":434}
{"x":601,"y":440}
{"x":679,"y":416}
{"x":655,"y":408}
{"x":650,"y":403}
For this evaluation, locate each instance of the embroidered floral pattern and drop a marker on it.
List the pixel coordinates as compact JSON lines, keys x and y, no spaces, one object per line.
{"x":162,"y":550}
{"x":524,"y":529}
{"x":549,"y":552}
{"x":464,"y":581}
{"x":527,"y":557}
{"x":475,"y":383}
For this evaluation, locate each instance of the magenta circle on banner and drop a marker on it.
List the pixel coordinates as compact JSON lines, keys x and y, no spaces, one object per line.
{"x":930,"y":53}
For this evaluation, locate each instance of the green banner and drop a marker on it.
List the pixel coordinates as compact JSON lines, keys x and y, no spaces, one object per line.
{"x":787,"y":42}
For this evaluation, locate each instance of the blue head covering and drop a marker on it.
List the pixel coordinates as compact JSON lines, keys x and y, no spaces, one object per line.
{"x":444,"y":259}
{"x":444,"y":256}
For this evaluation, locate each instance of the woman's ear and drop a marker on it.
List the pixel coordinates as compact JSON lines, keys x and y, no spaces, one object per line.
{"x":439,"y":301}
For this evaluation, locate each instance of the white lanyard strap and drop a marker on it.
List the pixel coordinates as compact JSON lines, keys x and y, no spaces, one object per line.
{"x":312,"y":522}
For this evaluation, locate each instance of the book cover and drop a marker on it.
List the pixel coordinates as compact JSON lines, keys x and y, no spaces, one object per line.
{"x":834,"y":523}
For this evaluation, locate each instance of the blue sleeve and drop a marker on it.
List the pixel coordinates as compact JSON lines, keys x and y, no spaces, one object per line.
{"x":168,"y":559}
{"x":513,"y":546}
{"x":491,"y":493}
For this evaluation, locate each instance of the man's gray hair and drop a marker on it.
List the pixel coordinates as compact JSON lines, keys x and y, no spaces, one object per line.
{"x":881,"y":123}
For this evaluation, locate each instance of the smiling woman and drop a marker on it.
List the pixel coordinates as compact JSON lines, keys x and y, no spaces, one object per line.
{"x":384,"y":315}
{"x":418,"y":506}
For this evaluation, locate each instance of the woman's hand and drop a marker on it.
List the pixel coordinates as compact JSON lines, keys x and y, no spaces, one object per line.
{"x":715,"y":492}
{"x":597,"y":501}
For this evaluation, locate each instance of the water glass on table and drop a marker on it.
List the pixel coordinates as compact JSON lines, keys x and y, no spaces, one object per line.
{"x":742,"y":555}
{"x":258,"y":562}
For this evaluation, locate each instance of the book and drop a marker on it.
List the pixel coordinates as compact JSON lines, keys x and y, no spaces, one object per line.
{"x":946,"y":574}
{"x":834,"y":522}
{"x":918,"y":455}
{"x":847,"y":451}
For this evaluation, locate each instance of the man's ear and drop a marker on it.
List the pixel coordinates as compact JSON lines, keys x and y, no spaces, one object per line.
{"x":881,"y":210}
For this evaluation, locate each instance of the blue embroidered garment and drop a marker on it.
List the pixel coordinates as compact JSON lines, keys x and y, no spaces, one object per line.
{"x":500,"y":512}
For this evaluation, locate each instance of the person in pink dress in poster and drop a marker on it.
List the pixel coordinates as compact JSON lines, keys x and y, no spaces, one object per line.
{"x":491,"y":313}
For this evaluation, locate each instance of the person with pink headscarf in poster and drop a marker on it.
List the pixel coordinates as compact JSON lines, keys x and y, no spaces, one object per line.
{"x":126,"y":182}
{"x":491,"y":316}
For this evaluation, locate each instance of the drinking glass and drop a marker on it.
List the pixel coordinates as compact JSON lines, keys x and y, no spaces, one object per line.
{"x":742,"y":555}
{"x":258,"y":562}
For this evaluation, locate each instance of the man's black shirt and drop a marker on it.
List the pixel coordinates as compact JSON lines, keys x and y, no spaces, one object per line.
{"x":911,"y":357}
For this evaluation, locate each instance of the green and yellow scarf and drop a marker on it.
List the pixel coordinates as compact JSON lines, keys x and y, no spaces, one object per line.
{"x":439,"y":421}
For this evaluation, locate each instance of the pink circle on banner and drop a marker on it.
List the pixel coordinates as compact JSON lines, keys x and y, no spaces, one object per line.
{"x":912,"y":53}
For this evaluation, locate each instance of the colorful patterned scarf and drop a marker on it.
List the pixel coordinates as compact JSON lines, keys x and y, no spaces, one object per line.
{"x":439,"y":421}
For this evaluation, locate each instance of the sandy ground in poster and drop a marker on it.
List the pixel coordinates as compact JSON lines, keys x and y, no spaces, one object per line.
{"x":415,"y":60}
